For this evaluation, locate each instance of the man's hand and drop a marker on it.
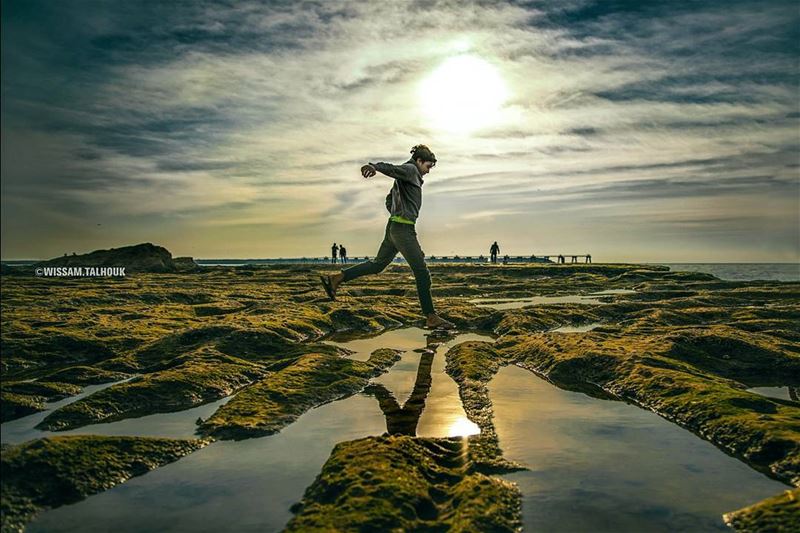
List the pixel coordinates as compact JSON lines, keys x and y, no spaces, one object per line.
{"x":368,"y":171}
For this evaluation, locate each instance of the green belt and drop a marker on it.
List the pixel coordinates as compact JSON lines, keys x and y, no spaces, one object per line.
{"x":398,"y":218}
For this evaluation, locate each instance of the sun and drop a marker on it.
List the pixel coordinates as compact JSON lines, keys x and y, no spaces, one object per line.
{"x":464,"y":94}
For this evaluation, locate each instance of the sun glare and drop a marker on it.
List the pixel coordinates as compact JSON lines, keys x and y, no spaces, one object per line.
{"x":464,"y":94}
{"x":462,"y":427}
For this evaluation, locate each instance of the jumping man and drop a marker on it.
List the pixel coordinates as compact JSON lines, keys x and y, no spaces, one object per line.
{"x":404,"y":202}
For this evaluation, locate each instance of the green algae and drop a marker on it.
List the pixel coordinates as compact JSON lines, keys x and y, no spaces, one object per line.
{"x":196,"y":378}
{"x":684,"y":345}
{"x":20,"y":356}
{"x":779,"y":513}
{"x":86,"y":375}
{"x":50,"y":472}
{"x":401,"y":483}
{"x":49,"y":390}
{"x":22,"y":398}
{"x":13,"y":406}
{"x":279,"y":399}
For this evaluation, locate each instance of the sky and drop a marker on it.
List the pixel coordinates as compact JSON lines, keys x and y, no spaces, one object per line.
{"x":633,"y":131}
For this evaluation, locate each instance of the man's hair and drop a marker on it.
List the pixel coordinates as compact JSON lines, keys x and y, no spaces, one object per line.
{"x":421,"y":151}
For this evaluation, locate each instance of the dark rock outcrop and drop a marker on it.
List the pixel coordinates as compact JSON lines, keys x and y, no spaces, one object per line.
{"x":145,"y":257}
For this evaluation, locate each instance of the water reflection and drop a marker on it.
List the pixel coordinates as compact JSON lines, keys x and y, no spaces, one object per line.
{"x":577,"y":329}
{"x":783,"y":393}
{"x":435,"y":413}
{"x":250,"y":485}
{"x":23,"y":428}
{"x":403,"y":420}
{"x":611,"y":466}
{"x":516,"y":303}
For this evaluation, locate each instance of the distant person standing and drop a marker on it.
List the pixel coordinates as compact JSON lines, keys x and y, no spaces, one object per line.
{"x":334,"y":253}
{"x":343,"y":253}
{"x":494,"y":250}
{"x":403,"y":202}
{"x":505,"y":259}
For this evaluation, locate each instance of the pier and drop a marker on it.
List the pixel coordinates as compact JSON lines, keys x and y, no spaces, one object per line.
{"x":477,"y":259}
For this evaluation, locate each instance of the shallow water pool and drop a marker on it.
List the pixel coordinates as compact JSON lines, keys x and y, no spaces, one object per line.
{"x":601,"y":465}
{"x":517,"y":303}
{"x":595,"y":465}
{"x":250,"y":485}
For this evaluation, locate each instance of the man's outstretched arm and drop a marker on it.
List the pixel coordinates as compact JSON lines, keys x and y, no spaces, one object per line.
{"x":398,"y":172}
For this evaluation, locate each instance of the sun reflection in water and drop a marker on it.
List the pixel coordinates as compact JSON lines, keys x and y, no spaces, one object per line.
{"x":462,"y":427}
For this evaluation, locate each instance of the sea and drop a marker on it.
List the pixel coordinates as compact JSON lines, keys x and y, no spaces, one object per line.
{"x":742,"y":271}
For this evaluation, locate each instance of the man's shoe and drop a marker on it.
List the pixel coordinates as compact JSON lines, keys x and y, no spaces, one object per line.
{"x":439,"y":323}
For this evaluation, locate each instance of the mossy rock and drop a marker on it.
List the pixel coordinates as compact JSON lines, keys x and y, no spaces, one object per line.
{"x":780,"y":513}
{"x":49,"y":390}
{"x":279,"y":399}
{"x":54,"y":471}
{"x":86,"y":375}
{"x":198,"y":377}
{"x":13,"y":406}
{"x":751,"y":358}
{"x":401,"y":483}
{"x":20,"y":356}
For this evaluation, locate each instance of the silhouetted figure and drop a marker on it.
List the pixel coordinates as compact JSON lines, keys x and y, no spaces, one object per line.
{"x":494,"y":250}
{"x":505,"y":259}
{"x":404,"y":420}
{"x":561,"y":259}
{"x":334,"y":253}
{"x":343,"y":253}
{"x":574,"y":258}
{"x":588,"y":258}
{"x":403,"y":203}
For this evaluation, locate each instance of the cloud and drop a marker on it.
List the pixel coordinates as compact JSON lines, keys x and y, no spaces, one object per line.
{"x":259,"y":114}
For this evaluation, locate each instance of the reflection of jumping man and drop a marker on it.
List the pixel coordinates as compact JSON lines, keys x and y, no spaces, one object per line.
{"x":404,"y":420}
{"x":403,"y":202}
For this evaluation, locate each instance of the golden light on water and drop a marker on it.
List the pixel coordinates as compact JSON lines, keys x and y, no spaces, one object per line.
{"x":463,"y":94}
{"x":462,"y":427}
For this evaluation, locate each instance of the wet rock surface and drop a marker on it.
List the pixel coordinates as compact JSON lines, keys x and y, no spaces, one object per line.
{"x":278,"y":400}
{"x":405,"y":484}
{"x":779,"y":513}
{"x":51,"y":472}
{"x":685,"y":345}
{"x":195,"y":378}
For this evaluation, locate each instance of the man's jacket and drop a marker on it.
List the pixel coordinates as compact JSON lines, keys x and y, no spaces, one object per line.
{"x":405,"y":198}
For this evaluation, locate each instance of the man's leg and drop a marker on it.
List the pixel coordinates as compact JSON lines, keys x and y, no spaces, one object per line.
{"x":404,"y":237}
{"x":386,"y":254}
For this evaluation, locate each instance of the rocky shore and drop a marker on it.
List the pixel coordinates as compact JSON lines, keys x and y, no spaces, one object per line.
{"x":684,"y":345}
